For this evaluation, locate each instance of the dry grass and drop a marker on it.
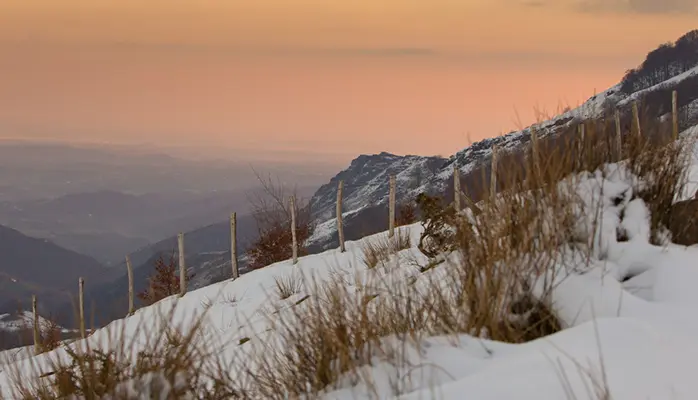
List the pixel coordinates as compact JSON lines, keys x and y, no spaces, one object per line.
{"x":178,"y":363}
{"x":288,"y":285}
{"x":323,"y":340}
{"x":50,"y":336}
{"x":378,"y":251}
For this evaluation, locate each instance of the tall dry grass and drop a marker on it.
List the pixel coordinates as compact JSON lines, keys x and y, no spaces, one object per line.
{"x":176,"y":361}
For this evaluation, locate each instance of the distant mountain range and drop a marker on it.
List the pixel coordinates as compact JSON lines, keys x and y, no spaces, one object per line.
{"x":106,"y":202}
{"x":108,"y":224}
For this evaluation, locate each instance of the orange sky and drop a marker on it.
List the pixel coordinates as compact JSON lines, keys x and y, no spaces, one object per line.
{"x":309,"y":76}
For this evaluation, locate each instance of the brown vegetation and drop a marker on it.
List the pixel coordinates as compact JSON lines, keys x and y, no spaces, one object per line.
{"x":164,"y":282}
{"x":272,"y":213}
{"x":406,"y":213}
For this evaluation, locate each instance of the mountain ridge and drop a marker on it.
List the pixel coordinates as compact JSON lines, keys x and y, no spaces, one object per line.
{"x":473,"y":161}
{"x":34,"y":266}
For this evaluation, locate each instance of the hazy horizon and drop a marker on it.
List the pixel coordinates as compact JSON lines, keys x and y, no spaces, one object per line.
{"x":311,"y":78}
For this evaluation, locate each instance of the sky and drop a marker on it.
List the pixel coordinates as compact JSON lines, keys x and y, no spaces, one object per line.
{"x":312,"y":78}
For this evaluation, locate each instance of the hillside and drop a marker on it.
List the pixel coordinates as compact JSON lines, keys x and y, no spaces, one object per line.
{"x":367,"y":176}
{"x":37,"y":266}
{"x":623,"y":306}
{"x":208,"y":256}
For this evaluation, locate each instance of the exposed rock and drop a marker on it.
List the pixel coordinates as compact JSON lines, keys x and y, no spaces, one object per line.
{"x":682,"y":222}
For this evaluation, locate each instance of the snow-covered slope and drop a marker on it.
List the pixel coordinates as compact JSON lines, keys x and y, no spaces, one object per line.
{"x":628,"y":315}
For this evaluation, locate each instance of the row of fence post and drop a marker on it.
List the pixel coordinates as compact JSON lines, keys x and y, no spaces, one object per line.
{"x":36,"y":322}
{"x":458,"y":195}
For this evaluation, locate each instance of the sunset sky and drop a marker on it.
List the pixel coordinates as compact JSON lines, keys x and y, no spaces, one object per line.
{"x":312,"y":77}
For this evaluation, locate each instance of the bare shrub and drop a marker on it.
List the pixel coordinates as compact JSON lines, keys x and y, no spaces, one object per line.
{"x":50,"y":335}
{"x":406,"y":213}
{"x":272,"y":213}
{"x":164,"y":282}
{"x":438,"y":220}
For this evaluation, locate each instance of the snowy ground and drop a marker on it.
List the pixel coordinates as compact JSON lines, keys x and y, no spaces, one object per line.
{"x":24,"y":320}
{"x":630,"y":321}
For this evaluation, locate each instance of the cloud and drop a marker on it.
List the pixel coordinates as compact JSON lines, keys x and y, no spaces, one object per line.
{"x":370,"y":52}
{"x":534,"y":3}
{"x":620,"y":6}
{"x":226,"y":50}
{"x":640,"y":6}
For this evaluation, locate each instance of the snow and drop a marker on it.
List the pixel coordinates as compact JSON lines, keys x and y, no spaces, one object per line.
{"x":628,"y":315}
{"x":24,"y":320}
{"x":326,"y":229}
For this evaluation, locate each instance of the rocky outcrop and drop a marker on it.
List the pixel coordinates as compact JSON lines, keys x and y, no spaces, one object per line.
{"x":682,"y":222}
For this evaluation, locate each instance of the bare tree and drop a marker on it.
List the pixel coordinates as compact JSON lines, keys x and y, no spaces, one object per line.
{"x":271,"y":211}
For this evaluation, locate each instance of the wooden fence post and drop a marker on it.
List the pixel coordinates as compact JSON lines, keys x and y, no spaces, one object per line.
{"x":456,"y":186}
{"x":182,"y":266}
{"x":81,"y":300}
{"x":234,"y":245}
{"x":391,"y":207}
{"x":675,"y":114}
{"x":535,"y":155}
{"x":493,"y":174}
{"x":340,"y":222}
{"x":35,"y":328}
{"x":129,"y":270}
{"x":636,"y":119}
{"x":294,"y":239}
{"x":619,"y":137}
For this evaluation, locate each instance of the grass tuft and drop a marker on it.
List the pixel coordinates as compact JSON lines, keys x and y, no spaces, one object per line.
{"x":288,"y":285}
{"x":379,"y":250}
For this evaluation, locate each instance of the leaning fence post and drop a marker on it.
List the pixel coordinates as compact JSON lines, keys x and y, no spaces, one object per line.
{"x":340,"y":222}
{"x":619,"y":137}
{"x":391,"y":207}
{"x":294,"y":239}
{"x":675,"y":114}
{"x":129,"y":270}
{"x":234,"y":245}
{"x":35,"y":328}
{"x":182,"y":266}
{"x":456,"y":186}
{"x":81,"y":300}
{"x":493,"y":174}
{"x":636,"y":119}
